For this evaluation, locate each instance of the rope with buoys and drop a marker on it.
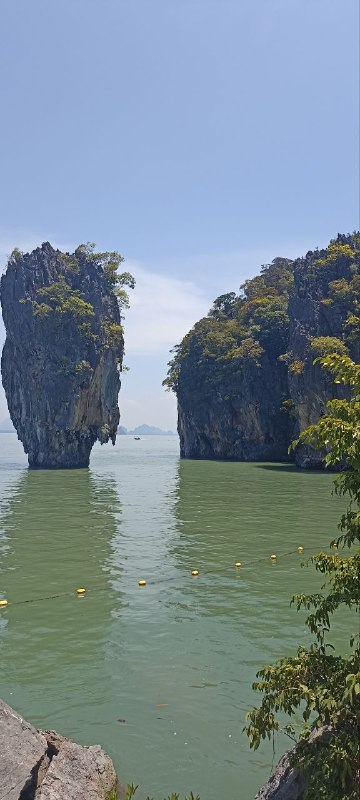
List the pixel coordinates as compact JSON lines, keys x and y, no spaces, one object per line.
{"x":240,"y":566}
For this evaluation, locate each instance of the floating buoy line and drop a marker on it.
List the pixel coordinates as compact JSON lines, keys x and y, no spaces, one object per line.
{"x":81,"y":591}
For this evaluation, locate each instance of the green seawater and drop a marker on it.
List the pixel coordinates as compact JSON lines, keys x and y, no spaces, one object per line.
{"x":161,"y":676}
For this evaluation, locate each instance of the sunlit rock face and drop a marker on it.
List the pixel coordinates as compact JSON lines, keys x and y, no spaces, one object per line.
{"x":62,"y":355}
{"x":47,"y":766}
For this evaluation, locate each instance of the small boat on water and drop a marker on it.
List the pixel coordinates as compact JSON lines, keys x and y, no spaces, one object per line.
{"x":137,"y":438}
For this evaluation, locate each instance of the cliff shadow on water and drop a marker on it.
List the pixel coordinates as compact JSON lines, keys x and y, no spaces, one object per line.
{"x":56,"y":534}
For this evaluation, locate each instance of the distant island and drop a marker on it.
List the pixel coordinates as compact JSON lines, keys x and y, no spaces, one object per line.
{"x":145,"y":430}
{"x":6,"y":426}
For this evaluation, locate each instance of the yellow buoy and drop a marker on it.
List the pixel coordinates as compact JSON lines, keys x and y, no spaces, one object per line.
{"x":238,"y":564}
{"x":195,"y":572}
{"x":80,"y":591}
{"x":142,"y":583}
{"x":300,"y":549}
{"x":273,"y":557}
{"x":3,"y":603}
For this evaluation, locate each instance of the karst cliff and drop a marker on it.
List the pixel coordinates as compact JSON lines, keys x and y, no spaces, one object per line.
{"x":245,"y":377}
{"x":63,"y":351}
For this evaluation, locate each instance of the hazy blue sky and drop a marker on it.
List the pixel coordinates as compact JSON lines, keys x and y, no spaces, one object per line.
{"x":200,"y":138}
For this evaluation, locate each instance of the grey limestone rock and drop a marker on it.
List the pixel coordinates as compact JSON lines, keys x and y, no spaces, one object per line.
{"x":63,"y":351}
{"x":253,"y":411}
{"x":77,"y":772}
{"x":23,"y":752}
{"x":241,"y":420}
{"x":43,"y":765}
{"x":287,"y":783}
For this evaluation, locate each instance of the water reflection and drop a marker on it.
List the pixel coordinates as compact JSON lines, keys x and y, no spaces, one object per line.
{"x":235,"y":512}
{"x":57,"y":534}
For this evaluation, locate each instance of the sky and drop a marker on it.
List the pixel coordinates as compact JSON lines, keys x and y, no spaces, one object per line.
{"x":200,"y":138}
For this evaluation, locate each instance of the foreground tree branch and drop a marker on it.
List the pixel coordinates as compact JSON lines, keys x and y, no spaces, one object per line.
{"x":322,"y":685}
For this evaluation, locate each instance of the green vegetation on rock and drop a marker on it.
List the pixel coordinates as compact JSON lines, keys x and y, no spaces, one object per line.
{"x":325,"y":345}
{"x":237,"y":329}
{"x":113,"y":334}
{"x":296,"y":367}
{"x":233,"y":371}
{"x":60,"y":298}
{"x":110,"y":262}
{"x":335,"y":251}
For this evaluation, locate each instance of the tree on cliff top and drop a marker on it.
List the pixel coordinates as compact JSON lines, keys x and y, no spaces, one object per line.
{"x":240,"y":328}
{"x":110,"y":262}
{"x":236,"y":330}
{"x":325,"y":686}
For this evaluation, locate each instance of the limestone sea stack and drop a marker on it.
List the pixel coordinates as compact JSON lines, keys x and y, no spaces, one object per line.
{"x":244,"y":376}
{"x":63,"y":351}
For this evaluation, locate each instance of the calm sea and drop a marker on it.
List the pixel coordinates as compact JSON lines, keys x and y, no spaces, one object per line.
{"x":160,"y":676}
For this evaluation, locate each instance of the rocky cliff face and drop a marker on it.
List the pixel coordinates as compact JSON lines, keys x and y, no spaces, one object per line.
{"x":241,"y":418}
{"x":244,"y":376}
{"x":63,"y":352}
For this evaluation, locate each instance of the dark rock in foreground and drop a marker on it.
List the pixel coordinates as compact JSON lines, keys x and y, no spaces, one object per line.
{"x":288,"y":782}
{"x":63,"y":352}
{"x":37,"y":765}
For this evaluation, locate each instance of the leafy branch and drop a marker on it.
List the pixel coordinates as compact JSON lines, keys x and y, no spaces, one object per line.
{"x":325,"y":686}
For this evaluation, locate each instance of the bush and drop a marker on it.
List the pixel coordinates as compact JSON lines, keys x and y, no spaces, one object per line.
{"x":324,"y":345}
{"x":297,"y":367}
{"x":336,"y":251}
